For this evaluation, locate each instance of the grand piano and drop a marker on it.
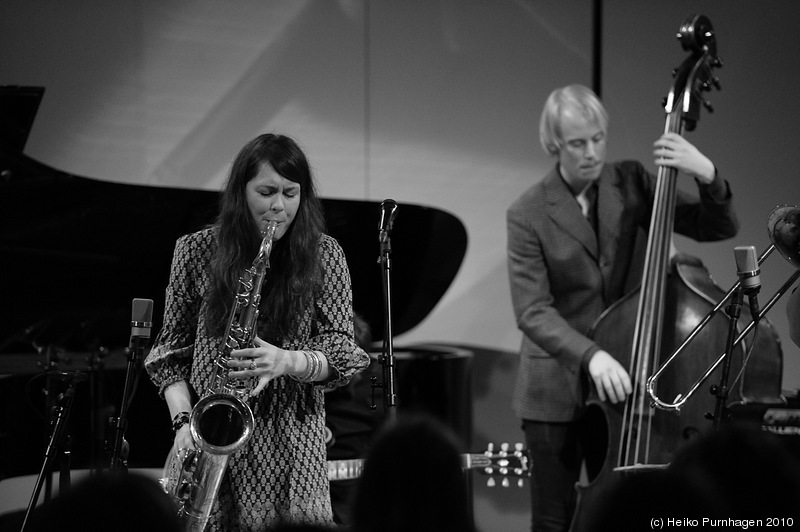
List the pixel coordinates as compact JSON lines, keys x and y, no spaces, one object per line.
{"x":76,"y":251}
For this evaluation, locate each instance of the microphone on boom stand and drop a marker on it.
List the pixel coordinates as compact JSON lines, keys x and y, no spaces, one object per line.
{"x":748,"y":271}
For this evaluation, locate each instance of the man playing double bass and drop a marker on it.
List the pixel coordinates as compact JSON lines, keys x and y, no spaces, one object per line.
{"x":571,"y":254}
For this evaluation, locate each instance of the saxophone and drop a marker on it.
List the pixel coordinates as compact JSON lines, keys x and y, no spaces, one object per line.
{"x":222,"y":421}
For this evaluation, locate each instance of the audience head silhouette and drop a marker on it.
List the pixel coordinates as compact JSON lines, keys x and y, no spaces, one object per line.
{"x":119,"y":502}
{"x":413,"y":480}
{"x":736,"y":472}
{"x":750,"y":470}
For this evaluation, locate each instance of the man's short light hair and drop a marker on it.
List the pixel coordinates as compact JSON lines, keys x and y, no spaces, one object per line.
{"x":575,"y":97}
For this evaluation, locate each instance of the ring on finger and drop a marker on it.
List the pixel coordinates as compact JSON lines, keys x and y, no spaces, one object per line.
{"x":253,"y":365}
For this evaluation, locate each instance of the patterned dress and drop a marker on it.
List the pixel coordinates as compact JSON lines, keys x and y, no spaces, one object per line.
{"x":280,"y":475}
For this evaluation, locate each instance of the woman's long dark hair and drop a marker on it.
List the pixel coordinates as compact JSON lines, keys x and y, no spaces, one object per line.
{"x":295,"y":269}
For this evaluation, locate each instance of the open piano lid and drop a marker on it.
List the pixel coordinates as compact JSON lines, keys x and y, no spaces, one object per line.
{"x":76,"y":251}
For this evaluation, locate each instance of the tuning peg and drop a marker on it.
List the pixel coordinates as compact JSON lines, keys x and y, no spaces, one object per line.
{"x":708,"y":106}
{"x":706,"y":85}
{"x":505,"y":483}
{"x":503,"y":449}
{"x":491,"y":483}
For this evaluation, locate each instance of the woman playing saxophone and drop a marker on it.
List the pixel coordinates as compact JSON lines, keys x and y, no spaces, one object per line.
{"x":303,"y":342}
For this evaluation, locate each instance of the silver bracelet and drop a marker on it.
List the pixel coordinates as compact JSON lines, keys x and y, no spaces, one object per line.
{"x":306,"y":376}
{"x":317,"y":366}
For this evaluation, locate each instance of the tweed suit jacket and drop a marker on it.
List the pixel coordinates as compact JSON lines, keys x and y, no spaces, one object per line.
{"x":563,"y":274}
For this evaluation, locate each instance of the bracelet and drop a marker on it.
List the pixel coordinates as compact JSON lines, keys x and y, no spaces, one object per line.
{"x":313,"y":367}
{"x":180,"y":419}
{"x":305,"y":377}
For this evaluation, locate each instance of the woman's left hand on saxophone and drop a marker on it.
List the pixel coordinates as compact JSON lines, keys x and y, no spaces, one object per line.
{"x":179,"y":401}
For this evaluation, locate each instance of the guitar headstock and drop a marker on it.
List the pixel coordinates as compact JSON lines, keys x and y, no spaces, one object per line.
{"x":695,"y":75}
{"x":505,"y":463}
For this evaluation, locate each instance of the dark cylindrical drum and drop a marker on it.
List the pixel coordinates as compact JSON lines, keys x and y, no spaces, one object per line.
{"x":437,"y":380}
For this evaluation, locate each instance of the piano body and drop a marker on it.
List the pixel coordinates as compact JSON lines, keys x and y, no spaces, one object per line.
{"x":76,"y":251}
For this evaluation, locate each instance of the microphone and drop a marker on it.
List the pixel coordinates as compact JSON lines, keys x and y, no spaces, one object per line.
{"x":388,"y":214}
{"x":749,"y":275}
{"x":141,"y":322}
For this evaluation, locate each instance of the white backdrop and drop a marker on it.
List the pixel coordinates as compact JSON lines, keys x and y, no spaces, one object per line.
{"x":433,"y":103}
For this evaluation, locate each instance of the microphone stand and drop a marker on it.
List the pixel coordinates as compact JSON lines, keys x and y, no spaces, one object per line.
{"x":720,"y":391}
{"x":97,"y":394}
{"x":387,"y":358}
{"x":62,"y":410}
{"x":140,"y":334}
{"x":119,"y":451}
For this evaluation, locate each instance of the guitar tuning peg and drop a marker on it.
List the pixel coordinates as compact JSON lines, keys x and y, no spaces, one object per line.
{"x":489,"y":448}
{"x":518,"y":448}
{"x":505,"y":483}
{"x":503,"y":449}
{"x":708,"y":106}
{"x":491,"y":483}
{"x":715,"y":82}
{"x":520,"y":483}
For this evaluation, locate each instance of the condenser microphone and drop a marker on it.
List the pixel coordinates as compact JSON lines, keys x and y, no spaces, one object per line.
{"x":388,"y":214}
{"x":749,"y":275}
{"x":141,"y":322}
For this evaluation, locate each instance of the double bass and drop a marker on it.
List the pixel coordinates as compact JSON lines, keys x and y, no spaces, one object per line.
{"x":675,"y":292}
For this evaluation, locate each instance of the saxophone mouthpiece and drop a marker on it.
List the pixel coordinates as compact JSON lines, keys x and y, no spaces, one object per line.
{"x":269,"y":230}
{"x":268,"y":235}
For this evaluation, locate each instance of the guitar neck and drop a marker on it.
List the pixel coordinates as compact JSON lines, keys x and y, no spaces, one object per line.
{"x":350,"y":469}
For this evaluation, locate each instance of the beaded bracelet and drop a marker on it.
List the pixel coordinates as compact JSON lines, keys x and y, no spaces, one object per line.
{"x":180,"y":419}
